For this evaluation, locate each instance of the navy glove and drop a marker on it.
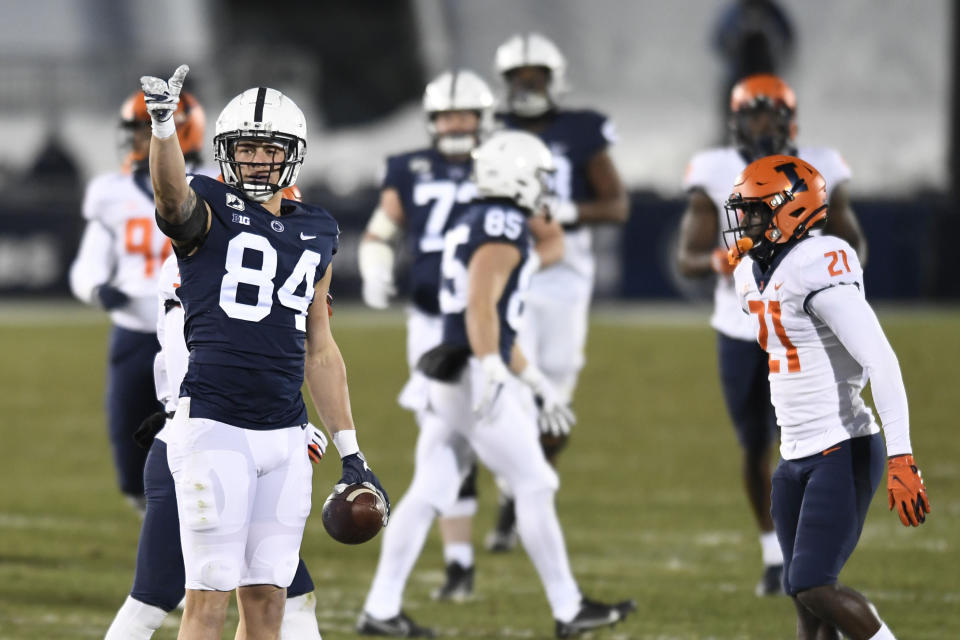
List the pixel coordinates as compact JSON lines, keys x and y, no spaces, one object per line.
{"x":356,"y":471}
{"x":149,"y":428}
{"x":110,"y":297}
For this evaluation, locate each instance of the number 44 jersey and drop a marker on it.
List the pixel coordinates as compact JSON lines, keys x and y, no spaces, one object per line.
{"x":245,"y":293}
{"x":815,"y":383}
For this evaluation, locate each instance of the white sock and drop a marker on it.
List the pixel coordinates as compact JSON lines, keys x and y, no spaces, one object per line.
{"x":135,"y":621}
{"x":770,"y":548}
{"x":403,"y":540}
{"x":540,"y":533}
{"x":883,"y":633}
{"x":300,"y":618}
{"x":459,"y":552}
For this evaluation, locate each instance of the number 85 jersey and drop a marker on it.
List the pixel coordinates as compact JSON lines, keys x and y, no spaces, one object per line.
{"x":245,"y":293}
{"x":815,"y":384}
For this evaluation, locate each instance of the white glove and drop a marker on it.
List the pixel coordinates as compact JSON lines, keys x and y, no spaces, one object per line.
{"x":554,"y":416}
{"x":316,"y":443}
{"x":161,"y":98}
{"x":563,"y":211}
{"x":376,"y":270}
{"x":495,"y":375}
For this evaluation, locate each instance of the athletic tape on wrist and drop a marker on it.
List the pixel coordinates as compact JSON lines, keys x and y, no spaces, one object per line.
{"x":346,"y":442}
{"x":165,"y":129}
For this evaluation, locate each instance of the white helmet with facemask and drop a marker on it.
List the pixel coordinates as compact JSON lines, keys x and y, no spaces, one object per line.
{"x":260,"y":115}
{"x":517,"y":165}
{"x":459,"y":90}
{"x":532,"y":50}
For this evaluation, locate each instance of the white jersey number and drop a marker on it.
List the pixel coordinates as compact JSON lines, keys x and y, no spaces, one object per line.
{"x":444,"y":194}
{"x":453,"y":287}
{"x":262,"y":278}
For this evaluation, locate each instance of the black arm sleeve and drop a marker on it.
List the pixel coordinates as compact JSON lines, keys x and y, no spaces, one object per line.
{"x":189,"y":234}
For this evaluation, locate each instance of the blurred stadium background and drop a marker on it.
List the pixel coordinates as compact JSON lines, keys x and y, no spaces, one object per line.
{"x":665,"y":521}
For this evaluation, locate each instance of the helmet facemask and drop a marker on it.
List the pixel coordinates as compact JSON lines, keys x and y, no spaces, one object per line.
{"x":775,"y":139}
{"x":240,"y":174}
{"x":750,"y":219}
{"x":456,"y":143}
{"x":524,"y":98}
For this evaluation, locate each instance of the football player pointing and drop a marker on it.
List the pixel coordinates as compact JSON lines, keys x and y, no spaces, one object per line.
{"x":805,"y":298}
{"x":235,"y":444}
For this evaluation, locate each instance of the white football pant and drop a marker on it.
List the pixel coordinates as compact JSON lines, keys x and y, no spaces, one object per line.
{"x":243,"y":497}
{"x":506,"y":441}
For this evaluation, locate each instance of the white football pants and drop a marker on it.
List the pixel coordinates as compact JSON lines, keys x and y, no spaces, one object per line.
{"x":506,"y":441}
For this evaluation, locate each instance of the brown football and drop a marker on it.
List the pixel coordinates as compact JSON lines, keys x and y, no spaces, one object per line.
{"x":354,"y":515}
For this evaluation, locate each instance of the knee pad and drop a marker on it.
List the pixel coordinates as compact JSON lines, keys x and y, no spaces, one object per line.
{"x":219,"y":574}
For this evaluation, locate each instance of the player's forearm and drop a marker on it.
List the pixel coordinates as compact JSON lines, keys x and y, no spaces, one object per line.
{"x":483,"y":328}
{"x":168,"y":174}
{"x":854,"y":323}
{"x":518,"y":361}
{"x":694,"y":262}
{"x":614,"y":209}
{"x":326,"y":376}
{"x":93,"y":265}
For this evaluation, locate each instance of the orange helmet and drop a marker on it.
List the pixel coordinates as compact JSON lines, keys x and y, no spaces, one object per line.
{"x":775,"y":200}
{"x":763,"y":92}
{"x":189,"y":119}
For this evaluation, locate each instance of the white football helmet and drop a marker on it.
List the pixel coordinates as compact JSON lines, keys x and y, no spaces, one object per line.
{"x":514,"y":164}
{"x":532,"y":50}
{"x":459,"y":90}
{"x":261,"y":114}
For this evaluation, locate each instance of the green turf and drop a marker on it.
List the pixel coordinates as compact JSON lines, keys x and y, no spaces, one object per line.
{"x":651,"y":500}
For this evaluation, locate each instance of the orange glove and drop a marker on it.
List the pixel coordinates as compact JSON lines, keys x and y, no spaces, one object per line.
{"x":719,"y":262}
{"x":905,"y":490}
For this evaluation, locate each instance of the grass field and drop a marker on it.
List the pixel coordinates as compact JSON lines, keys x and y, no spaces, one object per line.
{"x":650,"y":501}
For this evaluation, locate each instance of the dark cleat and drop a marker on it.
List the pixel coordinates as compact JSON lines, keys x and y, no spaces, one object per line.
{"x":459,"y":584}
{"x":593,"y":615}
{"x":503,"y":538}
{"x":771,"y":584}
{"x":399,"y":626}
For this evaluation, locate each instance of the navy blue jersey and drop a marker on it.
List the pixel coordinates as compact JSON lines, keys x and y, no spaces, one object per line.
{"x":245,"y":295}
{"x":434,"y":192}
{"x":484,"y":221}
{"x":573,"y":138}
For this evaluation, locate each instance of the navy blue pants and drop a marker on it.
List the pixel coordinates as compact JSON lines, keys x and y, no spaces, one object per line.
{"x":744,"y":372}
{"x":819,"y":505}
{"x":131,"y":397}
{"x":159,"y":578}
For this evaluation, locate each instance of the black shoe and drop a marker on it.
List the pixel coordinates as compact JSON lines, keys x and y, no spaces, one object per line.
{"x":595,"y":614}
{"x":503,"y":538}
{"x":459,"y":585}
{"x":399,"y":626}
{"x":771,"y":584}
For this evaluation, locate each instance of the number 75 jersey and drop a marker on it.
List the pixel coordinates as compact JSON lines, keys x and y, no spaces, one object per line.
{"x":815,"y":384}
{"x":245,"y":293}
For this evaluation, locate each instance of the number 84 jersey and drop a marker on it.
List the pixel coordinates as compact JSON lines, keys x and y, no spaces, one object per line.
{"x":815,"y":384}
{"x":245,"y":293}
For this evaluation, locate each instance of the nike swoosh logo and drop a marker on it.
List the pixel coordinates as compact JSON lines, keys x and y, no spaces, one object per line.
{"x":304,"y":236}
{"x":777,"y":286}
{"x":828,"y":451}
